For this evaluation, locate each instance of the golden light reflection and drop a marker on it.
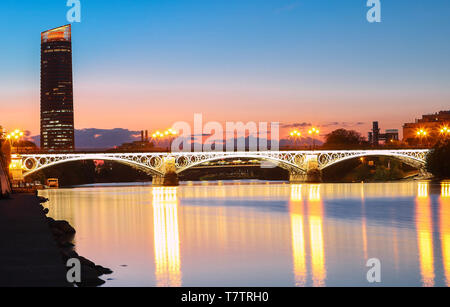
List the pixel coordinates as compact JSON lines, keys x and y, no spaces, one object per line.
{"x":314,"y":192}
{"x":298,"y":235}
{"x":364,"y":222}
{"x":315,"y":208}
{"x":425,"y":234}
{"x":296,"y":192}
{"x":445,"y":189}
{"x":167,"y":240}
{"x":445,"y":229}
{"x":422,"y":190}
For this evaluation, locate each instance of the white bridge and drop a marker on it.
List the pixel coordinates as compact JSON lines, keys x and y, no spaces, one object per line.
{"x":159,"y":165}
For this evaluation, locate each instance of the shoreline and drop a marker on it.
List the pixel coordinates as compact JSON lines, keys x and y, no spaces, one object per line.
{"x":29,"y":256}
{"x":34,"y":248}
{"x":63,"y":233}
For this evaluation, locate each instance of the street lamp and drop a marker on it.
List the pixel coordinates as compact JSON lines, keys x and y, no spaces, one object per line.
{"x":421,"y":134}
{"x":314,"y":131}
{"x":15,"y":136}
{"x":159,"y":136}
{"x":295,"y":135}
{"x":445,"y":131}
{"x":171,"y":134}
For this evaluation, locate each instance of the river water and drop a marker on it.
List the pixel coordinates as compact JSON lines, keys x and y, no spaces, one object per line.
{"x":262,"y":233}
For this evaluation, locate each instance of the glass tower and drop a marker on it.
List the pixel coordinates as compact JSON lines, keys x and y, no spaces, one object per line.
{"x":57,"y":120}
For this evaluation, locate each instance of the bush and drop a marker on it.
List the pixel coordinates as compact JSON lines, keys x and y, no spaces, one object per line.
{"x":438,"y":160}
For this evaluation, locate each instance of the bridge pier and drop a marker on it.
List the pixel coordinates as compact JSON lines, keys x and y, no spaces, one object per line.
{"x":297,"y":177}
{"x":313,"y":174}
{"x":169,"y":177}
{"x":424,"y":174}
{"x":168,"y":180}
{"x":16,"y":169}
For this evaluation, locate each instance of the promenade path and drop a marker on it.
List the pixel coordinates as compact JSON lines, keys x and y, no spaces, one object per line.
{"x":29,"y":256}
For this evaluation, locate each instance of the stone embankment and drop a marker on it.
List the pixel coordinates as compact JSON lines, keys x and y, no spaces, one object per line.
{"x":63,"y":233}
{"x":34,"y":248}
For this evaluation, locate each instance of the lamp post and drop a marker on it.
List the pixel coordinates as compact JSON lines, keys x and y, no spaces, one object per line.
{"x":295,"y":135}
{"x":157,"y":136}
{"x":169,"y":134}
{"x":445,"y":132}
{"x":312,"y":132}
{"x":15,"y":136}
{"x":421,"y":134}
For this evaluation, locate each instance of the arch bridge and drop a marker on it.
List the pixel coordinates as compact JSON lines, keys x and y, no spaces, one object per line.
{"x":165,"y":167}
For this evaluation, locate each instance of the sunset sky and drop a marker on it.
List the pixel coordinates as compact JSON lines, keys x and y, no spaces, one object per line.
{"x":148,"y":64}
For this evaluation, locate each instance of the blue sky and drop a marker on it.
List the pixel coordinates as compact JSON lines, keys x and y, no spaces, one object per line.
{"x":147,"y":64}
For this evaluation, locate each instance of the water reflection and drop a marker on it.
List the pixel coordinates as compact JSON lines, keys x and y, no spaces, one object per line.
{"x":445,"y":229}
{"x":262,"y":234}
{"x":166,"y":237}
{"x":424,"y":226}
{"x":314,"y":207}
{"x":298,"y":235}
{"x":315,"y":210}
{"x":364,"y":222}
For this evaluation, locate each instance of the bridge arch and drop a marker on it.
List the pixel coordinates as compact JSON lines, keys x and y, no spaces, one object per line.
{"x":414,"y":158}
{"x":291,"y":161}
{"x":148,"y":164}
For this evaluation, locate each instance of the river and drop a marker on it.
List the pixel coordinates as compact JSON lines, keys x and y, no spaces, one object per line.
{"x":245,"y":233}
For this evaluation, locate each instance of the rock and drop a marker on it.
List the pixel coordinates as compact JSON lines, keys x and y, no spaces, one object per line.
{"x":102,"y":270}
{"x":86,"y":262}
{"x":64,"y":226}
{"x":65,"y":244}
{"x":42,"y":199}
{"x":68,"y":254}
{"x":89,"y":277}
{"x":56,"y":232}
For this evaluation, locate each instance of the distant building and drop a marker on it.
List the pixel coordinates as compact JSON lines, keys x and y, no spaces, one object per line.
{"x":57,"y":119}
{"x":428,"y":127}
{"x":375,"y":136}
{"x":137,"y":146}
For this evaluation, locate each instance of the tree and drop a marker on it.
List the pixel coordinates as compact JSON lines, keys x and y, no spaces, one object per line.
{"x":342,"y":138}
{"x":438,"y":160}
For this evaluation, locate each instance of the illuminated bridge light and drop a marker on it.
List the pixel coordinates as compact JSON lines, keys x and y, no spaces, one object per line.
{"x":166,"y":234}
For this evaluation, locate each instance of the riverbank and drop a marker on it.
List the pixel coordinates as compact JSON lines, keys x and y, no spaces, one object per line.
{"x":29,"y":255}
{"x":34,"y":248}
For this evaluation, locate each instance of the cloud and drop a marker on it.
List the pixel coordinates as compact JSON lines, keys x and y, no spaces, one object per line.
{"x":296,"y":125}
{"x":101,"y":138}
{"x":342,"y":124}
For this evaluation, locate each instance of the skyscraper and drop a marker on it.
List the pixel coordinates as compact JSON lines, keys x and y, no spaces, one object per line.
{"x":57,"y":120}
